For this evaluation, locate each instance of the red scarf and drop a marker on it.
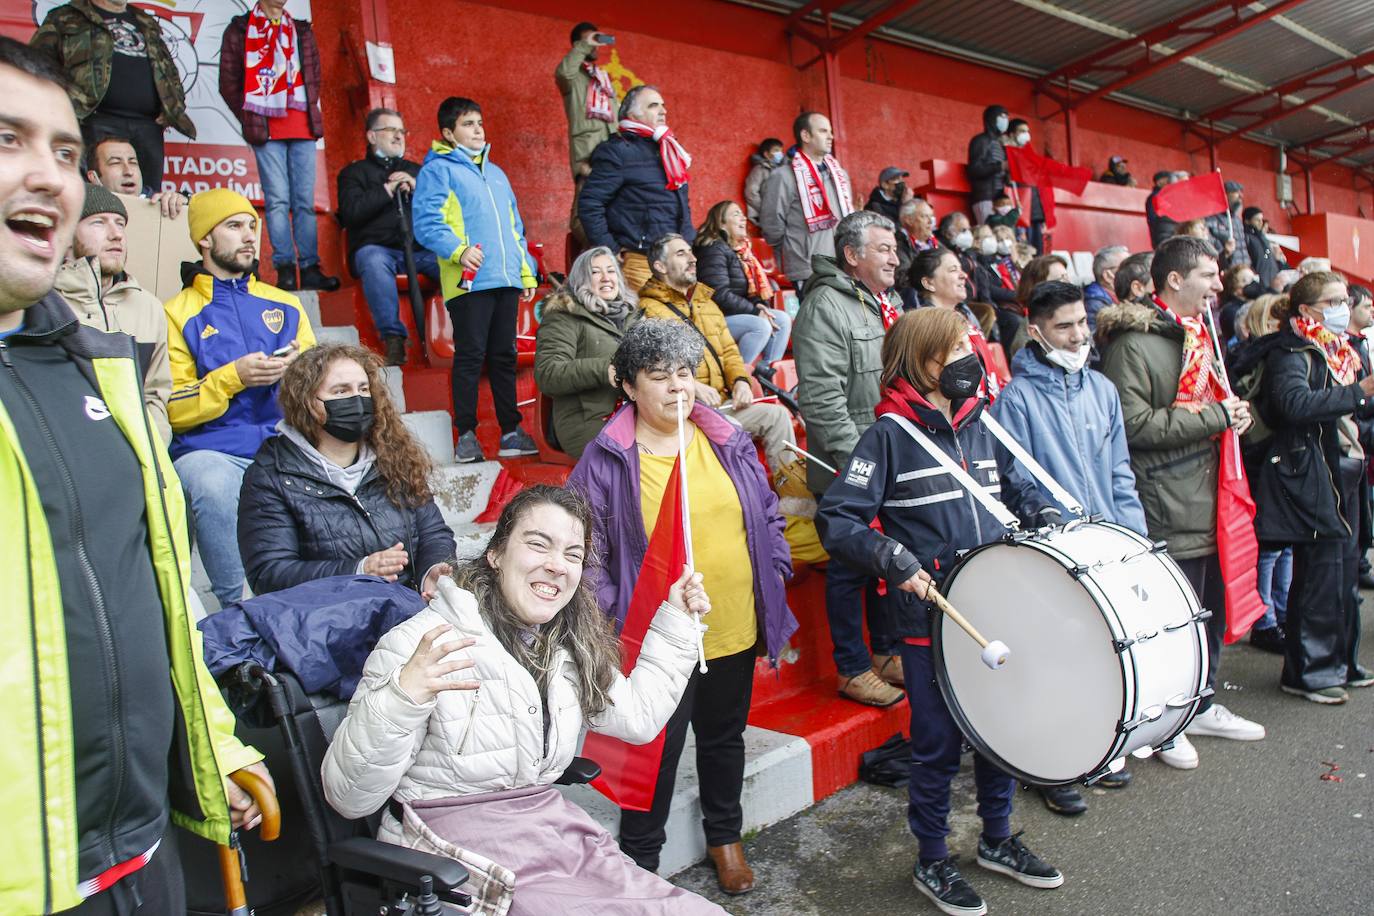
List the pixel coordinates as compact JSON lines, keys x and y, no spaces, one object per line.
{"x":819,"y":212}
{"x":1007,"y":270}
{"x":600,"y":93}
{"x":273,"y":81}
{"x":901,"y":398}
{"x":1341,"y":358}
{"x":759,"y":284}
{"x":888,"y":306}
{"x":676,"y":160}
{"x":1198,"y":381}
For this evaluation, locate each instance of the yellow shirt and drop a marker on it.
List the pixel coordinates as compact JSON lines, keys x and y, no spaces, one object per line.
{"x":719,"y":546}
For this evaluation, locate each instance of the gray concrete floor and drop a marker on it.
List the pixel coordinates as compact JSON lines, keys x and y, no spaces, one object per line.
{"x":1254,"y":830}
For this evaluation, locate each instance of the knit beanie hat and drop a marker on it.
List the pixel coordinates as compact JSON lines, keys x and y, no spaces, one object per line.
{"x":99,"y":200}
{"x":210,"y":208}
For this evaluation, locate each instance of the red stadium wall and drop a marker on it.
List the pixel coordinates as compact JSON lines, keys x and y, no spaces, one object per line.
{"x":725,"y":71}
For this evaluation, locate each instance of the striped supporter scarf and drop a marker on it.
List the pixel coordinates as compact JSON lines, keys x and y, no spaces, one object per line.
{"x":820,"y":212}
{"x":676,"y":160}
{"x":1341,"y":358}
{"x":600,"y":93}
{"x":272,"y":66}
{"x":1198,"y":381}
{"x":759,"y":284}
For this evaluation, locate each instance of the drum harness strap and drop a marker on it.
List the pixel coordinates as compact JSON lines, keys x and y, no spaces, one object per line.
{"x":993,"y":506}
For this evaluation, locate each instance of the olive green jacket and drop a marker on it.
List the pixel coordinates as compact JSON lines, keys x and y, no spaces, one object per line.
{"x":1173,"y":450}
{"x":75,"y":36}
{"x":584,"y":134}
{"x":573,"y":349}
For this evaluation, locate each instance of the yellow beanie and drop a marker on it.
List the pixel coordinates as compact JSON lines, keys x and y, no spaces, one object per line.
{"x":210,"y":208}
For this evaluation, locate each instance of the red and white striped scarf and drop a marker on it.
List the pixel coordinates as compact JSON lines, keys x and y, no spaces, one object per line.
{"x":600,"y":93}
{"x":1341,"y":359}
{"x":1198,"y":381}
{"x":820,"y":212}
{"x":676,"y":160}
{"x":272,"y":66}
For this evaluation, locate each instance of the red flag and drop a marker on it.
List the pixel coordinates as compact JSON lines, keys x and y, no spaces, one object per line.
{"x":1192,"y":199}
{"x":1237,"y":547}
{"x":629,"y":772}
{"x":1045,"y":174}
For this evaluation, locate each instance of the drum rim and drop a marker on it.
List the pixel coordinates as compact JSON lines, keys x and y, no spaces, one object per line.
{"x":1130,"y":689}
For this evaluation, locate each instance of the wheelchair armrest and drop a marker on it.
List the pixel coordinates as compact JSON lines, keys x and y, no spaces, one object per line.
{"x":397,"y":863}
{"x":580,"y":771}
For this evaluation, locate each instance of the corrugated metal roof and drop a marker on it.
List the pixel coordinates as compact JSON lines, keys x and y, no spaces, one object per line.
{"x":1042,"y":36}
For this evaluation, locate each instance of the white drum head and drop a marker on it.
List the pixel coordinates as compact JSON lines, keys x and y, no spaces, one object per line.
{"x":1050,"y":715}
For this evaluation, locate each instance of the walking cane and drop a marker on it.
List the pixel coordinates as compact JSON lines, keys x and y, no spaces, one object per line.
{"x":232,"y":868}
{"x":417,"y":302}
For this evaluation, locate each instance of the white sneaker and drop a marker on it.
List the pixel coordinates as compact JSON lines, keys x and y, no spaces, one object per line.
{"x":1220,"y":722}
{"x":1182,"y":756}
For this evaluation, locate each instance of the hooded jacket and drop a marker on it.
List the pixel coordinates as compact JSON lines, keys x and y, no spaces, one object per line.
{"x":232,"y":52}
{"x":784,"y":224}
{"x":927,"y":519}
{"x":584,"y":134}
{"x":1070,"y":422}
{"x":75,"y":35}
{"x":460,"y":202}
{"x":125,"y":308}
{"x":759,"y":170}
{"x":573,"y":348}
{"x":987,"y":159}
{"x":72,"y":816}
{"x":625,"y":203}
{"x":838,"y":346}
{"x":210,"y":324}
{"x":1096,"y":297}
{"x":722,"y":366}
{"x":296,"y":524}
{"x":608,"y":475}
{"x":468,"y":742}
{"x":1173,"y":450}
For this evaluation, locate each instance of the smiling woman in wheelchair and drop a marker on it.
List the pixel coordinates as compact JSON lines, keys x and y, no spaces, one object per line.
{"x":470,"y":711}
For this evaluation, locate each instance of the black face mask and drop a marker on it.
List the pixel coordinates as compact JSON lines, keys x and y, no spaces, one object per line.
{"x":1252,"y":290}
{"x":960,"y":379}
{"x":899,"y":190}
{"x":348,"y":419}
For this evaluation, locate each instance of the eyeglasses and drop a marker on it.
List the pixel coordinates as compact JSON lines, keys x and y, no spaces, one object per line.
{"x":1334,"y":303}
{"x":398,"y":131}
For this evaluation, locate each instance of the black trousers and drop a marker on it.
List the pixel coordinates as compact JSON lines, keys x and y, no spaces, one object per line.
{"x":154,"y":890}
{"x":484,"y":332}
{"x":1204,"y":575}
{"x":145,"y":135}
{"x":1323,"y":626}
{"x":716,"y":705}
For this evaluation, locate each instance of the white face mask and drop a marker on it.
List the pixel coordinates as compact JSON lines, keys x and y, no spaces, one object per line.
{"x":1023,"y":139}
{"x":1004,"y":247}
{"x":1001,"y":123}
{"x":1068,"y":360}
{"x":964,"y":240}
{"x":988,"y":245}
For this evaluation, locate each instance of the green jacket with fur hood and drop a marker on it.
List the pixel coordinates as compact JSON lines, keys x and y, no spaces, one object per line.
{"x":1173,"y":450}
{"x":573,"y":348}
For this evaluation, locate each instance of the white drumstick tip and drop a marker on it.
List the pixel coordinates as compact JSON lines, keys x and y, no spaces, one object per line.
{"x":995,"y":654}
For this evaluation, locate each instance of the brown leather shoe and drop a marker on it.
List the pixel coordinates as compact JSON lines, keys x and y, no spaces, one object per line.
{"x":395,"y":350}
{"x":889,"y":668}
{"x":869,"y":689}
{"x":733,"y":873}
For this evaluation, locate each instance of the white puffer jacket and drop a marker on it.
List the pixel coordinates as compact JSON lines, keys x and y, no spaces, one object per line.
{"x":466,"y":742}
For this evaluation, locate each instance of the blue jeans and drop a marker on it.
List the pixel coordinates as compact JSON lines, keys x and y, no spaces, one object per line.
{"x":1275,"y":576}
{"x":377,"y":267}
{"x":847,"y":593}
{"x":287,"y":171}
{"x":212,"y":481}
{"x":754,"y":335}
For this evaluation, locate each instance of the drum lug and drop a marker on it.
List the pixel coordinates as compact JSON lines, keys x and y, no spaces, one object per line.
{"x":1147,"y":715}
{"x":1159,"y":546}
{"x":1121,"y":645}
{"x":1181,"y":700}
{"x":1199,"y":617}
{"x":1079,"y":571}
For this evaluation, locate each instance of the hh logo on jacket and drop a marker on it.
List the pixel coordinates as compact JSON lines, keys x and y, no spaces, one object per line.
{"x":860,"y":473}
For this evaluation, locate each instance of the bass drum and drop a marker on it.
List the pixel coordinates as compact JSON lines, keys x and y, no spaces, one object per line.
{"x":1108,"y":651}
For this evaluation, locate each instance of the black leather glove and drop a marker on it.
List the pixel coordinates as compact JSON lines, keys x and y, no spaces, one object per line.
{"x":1049,"y":517}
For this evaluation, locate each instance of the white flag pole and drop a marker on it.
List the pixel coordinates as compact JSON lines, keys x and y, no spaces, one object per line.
{"x":687,"y":514}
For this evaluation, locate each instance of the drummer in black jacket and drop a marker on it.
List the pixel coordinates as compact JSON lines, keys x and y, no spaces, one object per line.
{"x":934,"y":381}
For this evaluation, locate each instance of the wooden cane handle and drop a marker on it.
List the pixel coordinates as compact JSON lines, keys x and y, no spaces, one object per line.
{"x":949,"y":611}
{"x":266,"y":800}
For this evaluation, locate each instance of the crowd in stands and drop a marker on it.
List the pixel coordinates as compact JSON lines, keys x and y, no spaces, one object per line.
{"x":287,"y":461}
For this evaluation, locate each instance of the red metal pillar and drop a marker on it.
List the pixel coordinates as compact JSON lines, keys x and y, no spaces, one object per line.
{"x":1068,"y":130}
{"x":832,"y":97}
{"x":1311,"y":198}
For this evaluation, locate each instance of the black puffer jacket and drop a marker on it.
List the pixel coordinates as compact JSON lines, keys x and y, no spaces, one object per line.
{"x":625,"y":203}
{"x":1296,"y":497}
{"x":366,"y":210}
{"x":719,"y":268}
{"x":295,"y":525}
{"x":987,"y":159}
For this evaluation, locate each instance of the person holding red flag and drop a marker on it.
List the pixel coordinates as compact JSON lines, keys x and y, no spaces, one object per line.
{"x":468,"y":713}
{"x":630,"y":471}
{"x":1173,"y":420}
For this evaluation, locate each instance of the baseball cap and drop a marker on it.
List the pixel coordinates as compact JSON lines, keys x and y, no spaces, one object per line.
{"x":1234,"y":186}
{"x":890,"y":173}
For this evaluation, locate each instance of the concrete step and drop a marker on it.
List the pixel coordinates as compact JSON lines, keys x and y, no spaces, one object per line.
{"x":310,"y":301}
{"x":777,"y":784}
{"x":395,"y":387}
{"x":434,"y":429}
{"x":335,"y":333}
{"x":462,"y":491}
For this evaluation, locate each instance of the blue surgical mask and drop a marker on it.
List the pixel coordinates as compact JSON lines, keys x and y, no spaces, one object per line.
{"x":776,"y":158}
{"x":1336,"y":318}
{"x":1002,"y":123}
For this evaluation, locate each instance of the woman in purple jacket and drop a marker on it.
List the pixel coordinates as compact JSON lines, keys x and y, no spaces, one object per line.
{"x":734,"y":517}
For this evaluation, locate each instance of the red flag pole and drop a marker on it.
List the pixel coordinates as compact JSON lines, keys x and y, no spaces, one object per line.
{"x":687,"y":516}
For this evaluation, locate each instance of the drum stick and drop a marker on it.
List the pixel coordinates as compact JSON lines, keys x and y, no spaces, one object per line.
{"x":687,"y":515}
{"x":995,"y":652}
{"x":808,"y":456}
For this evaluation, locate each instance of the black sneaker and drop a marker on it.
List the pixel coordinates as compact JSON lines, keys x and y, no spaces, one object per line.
{"x":1270,"y":639}
{"x":1065,"y":800}
{"x":1360,"y":676}
{"x":1118,"y":780}
{"x":1013,"y":859}
{"x":286,"y":277}
{"x":947,"y":889}
{"x":314,"y":278}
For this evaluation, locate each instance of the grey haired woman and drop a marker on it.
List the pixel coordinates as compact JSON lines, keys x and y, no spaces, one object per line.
{"x":581,"y":326}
